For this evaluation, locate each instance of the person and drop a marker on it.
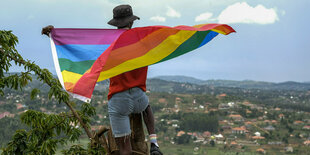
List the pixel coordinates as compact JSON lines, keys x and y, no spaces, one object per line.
{"x":127,"y":93}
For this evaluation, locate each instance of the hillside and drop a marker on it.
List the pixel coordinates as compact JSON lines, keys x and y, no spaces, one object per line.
{"x":247,"y":84}
{"x":187,"y":114}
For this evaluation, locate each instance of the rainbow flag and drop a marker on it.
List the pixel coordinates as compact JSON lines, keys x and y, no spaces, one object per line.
{"x":83,"y":57}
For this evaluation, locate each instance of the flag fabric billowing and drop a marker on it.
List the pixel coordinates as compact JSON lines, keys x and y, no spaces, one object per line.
{"x":83,"y":57}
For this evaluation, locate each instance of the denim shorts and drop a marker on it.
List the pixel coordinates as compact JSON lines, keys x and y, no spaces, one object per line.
{"x":133,"y":100}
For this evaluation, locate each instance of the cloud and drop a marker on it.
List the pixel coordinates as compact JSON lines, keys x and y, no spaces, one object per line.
{"x":173,"y":13}
{"x":204,"y":17}
{"x":243,"y":13}
{"x":158,"y":19}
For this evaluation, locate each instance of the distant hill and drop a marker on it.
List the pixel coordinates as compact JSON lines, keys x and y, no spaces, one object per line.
{"x":171,"y":83}
{"x":247,"y":84}
{"x":180,"y":79}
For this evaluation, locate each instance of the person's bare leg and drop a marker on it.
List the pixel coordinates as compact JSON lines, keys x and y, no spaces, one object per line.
{"x":124,"y":145}
{"x":148,"y":118}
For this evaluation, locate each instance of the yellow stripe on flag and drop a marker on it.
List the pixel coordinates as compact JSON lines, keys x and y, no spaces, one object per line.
{"x":169,"y":45}
{"x":219,"y":31}
{"x":70,"y":76}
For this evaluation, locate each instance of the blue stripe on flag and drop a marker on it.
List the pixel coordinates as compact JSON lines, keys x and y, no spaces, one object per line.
{"x":209,"y":37}
{"x":76,"y":53}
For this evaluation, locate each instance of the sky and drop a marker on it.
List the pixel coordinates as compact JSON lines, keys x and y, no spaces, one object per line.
{"x":271,"y":43}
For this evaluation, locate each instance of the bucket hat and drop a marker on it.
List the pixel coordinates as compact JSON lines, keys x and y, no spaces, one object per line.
{"x":122,"y":16}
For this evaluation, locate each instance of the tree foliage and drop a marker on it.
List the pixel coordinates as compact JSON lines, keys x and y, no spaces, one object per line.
{"x":184,"y":139}
{"x":75,"y":149}
{"x":199,"y":122}
{"x":46,"y":130}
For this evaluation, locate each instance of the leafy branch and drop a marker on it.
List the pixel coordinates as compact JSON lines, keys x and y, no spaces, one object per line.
{"x":43,"y":137}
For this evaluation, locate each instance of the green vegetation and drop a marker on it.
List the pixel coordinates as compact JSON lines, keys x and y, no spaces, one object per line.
{"x":45,"y":131}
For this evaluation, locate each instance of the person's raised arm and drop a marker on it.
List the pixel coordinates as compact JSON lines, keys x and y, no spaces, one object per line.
{"x":47,"y":30}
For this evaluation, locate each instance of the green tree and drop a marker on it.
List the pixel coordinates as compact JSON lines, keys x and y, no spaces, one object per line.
{"x":8,"y":128}
{"x":212,"y":143}
{"x":199,"y":122}
{"x":285,"y":138}
{"x":184,"y":139}
{"x":46,"y":130}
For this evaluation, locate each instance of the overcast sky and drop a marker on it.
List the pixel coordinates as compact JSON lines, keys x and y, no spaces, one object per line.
{"x":271,"y":44}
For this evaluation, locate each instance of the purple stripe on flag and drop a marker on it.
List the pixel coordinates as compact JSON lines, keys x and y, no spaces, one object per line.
{"x":63,"y":36}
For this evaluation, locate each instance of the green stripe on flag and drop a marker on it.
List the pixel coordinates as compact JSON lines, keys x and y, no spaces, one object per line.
{"x":189,"y":45}
{"x":79,"y":67}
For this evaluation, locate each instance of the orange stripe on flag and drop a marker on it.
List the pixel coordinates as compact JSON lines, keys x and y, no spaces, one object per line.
{"x":138,"y":49}
{"x":69,"y":86}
